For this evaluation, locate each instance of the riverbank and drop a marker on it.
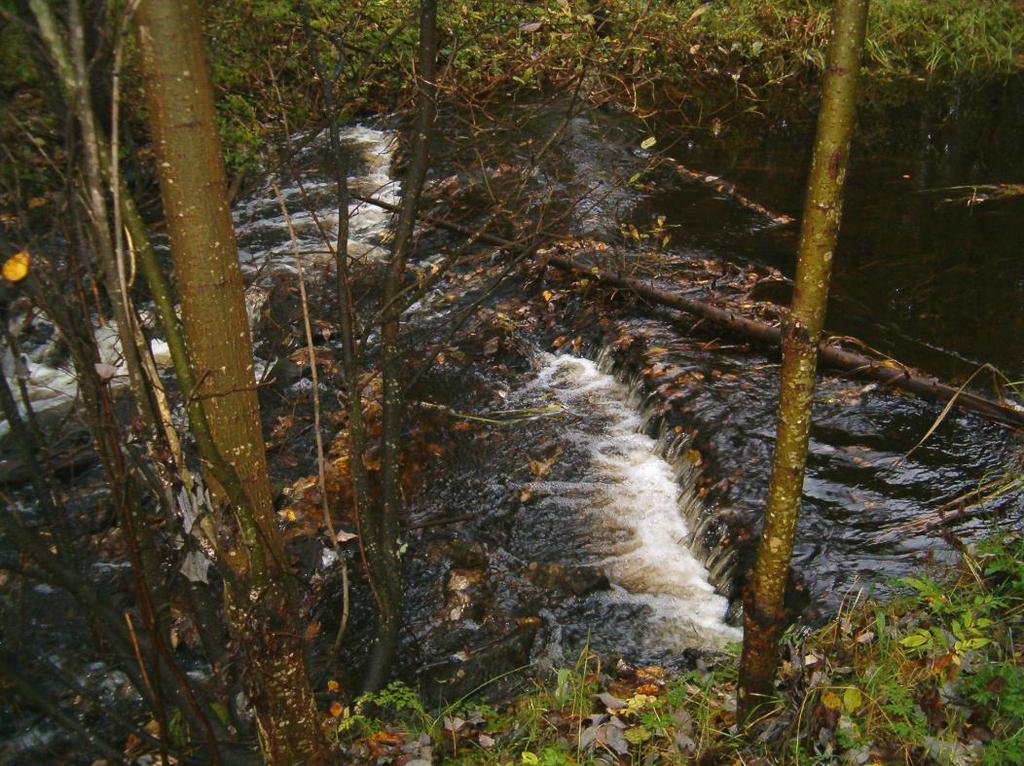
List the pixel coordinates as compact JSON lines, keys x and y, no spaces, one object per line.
{"x":703,"y":65}
{"x":931,"y":677}
{"x":699,"y":65}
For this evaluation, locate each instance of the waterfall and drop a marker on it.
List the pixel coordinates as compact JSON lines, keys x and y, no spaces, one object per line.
{"x":646,"y":521}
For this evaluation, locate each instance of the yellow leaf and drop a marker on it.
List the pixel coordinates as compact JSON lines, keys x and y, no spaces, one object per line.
{"x":700,"y":11}
{"x":16,"y":267}
{"x":831,"y":701}
{"x":333,"y":686}
{"x":851,"y":699}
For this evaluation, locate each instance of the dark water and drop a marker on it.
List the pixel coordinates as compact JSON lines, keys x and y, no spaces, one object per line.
{"x":935,"y":284}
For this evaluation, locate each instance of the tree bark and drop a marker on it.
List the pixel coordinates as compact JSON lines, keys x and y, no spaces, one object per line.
{"x":263,"y":620}
{"x":764,"y":618}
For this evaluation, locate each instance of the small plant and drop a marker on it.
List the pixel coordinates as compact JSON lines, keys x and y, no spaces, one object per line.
{"x":395,"y":699}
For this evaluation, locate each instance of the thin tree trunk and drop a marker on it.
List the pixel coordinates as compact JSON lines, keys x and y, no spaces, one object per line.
{"x":388,"y":567}
{"x":764,"y":617}
{"x":350,"y":352}
{"x":192,"y":181}
{"x":70,"y":66}
{"x":68,"y":57}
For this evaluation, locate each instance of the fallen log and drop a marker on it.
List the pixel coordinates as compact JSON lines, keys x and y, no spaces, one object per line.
{"x":722,"y":186}
{"x":899,"y":376}
{"x":885,"y":372}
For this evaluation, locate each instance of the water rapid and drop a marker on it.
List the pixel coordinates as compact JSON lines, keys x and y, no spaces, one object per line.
{"x":633,"y":506}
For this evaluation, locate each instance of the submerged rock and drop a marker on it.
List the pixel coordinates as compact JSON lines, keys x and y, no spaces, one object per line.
{"x":577,"y":580}
{"x":476,"y":666}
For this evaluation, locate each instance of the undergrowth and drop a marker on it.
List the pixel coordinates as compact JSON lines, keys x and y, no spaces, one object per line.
{"x":933,"y":676}
{"x":694,"y":58}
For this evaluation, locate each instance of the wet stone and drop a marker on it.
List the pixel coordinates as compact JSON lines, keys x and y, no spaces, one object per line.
{"x":474,"y":666}
{"x":465,"y":595}
{"x":577,"y":580}
{"x":464,"y":554}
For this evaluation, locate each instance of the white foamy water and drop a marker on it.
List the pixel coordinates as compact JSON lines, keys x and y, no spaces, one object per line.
{"x":264,"y":250}
{"x":310,"y":195}
{"x":53,"y":385}
{"x":632,"y":498}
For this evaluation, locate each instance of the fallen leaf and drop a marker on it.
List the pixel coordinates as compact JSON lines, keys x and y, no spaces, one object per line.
{"x":637,"y":734}
{"x":610,"y":701}
{"x":697,"y":13}
{"x":195,"y":567}
{"x":16,"y":267}
{"x":831,"y":701}
{"x":852,"y":699}
{"x":105,"y":371}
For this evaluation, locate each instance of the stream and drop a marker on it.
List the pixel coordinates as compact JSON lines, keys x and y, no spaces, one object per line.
{"x":595,"y":486}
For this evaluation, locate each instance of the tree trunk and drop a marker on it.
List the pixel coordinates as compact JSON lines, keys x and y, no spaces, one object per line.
{"x":386,"y":569}
{"x":764,"y":618}
{"x":192,"y":182}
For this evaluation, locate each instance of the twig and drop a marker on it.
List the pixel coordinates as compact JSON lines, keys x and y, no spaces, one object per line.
{"x":722,"y":186}
{"x":320,"y":460}
{"x":162,"y":721}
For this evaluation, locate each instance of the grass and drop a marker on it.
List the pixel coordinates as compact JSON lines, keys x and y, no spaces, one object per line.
{"x":931,"y":677}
